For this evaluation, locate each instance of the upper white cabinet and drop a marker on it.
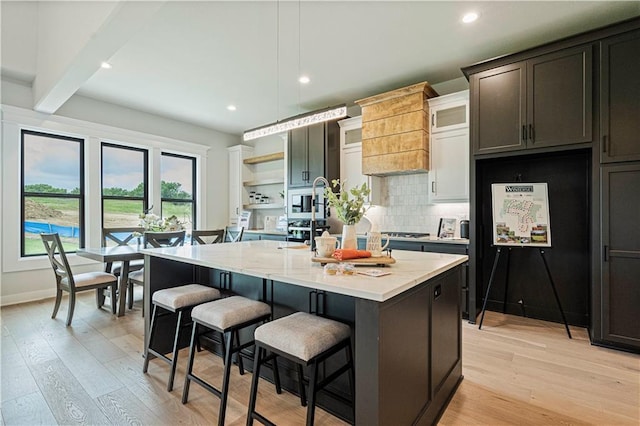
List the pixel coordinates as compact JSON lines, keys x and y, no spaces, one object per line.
{"x":351,"y":158}
{"x":449,"y":148}
{"x":449,"y":112}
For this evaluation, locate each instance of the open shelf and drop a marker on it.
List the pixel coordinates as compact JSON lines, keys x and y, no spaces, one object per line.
{"x":264,"y":158}
{"x":263,"y":206}
{"x":271,"y":181}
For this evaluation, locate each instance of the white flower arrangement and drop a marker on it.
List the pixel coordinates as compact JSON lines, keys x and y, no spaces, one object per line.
{"x":154,"y":223}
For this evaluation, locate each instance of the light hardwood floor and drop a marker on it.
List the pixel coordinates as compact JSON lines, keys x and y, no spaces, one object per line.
{"x":516,"y":371}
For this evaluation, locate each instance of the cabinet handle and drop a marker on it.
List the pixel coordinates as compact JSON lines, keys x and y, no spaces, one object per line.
{"x":433,"y":186}
{"x":433,"y":119}
{"x":531,"y":135}
{"x":605,"y":253}
{"x":524,"y":132}
{"x":605,"y":140}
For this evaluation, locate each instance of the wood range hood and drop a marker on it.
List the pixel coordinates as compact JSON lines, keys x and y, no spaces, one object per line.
{"x":395,"y":131}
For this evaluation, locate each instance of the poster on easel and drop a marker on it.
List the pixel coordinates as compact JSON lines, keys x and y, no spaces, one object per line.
{"x":521,"y":214}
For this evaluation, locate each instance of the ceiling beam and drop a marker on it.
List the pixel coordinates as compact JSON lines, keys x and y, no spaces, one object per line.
{"x":70,"y":52}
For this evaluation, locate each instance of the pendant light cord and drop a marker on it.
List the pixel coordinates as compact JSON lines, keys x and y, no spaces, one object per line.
{"x":299,"y":50}
{"x":278,"y":61}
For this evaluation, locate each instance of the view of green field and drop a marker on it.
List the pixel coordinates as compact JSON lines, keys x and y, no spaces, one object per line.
{"x":116,"y":213}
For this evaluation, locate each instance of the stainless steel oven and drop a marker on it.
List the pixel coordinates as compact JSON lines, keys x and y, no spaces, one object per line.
{"x":300,"y":204}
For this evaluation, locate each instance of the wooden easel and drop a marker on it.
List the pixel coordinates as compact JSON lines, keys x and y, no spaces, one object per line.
{"x":504,"y":303}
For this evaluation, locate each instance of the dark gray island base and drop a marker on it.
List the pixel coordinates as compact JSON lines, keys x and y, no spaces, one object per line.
{"x":407,"y":346}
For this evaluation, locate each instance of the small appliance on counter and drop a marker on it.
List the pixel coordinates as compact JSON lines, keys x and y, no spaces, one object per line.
{"x":464,"y":229}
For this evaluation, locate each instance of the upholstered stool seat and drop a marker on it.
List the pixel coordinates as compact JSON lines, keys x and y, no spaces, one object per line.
{"x":306,"y":340}
{"x":302,"y":335}
{"x":175,"y":300}
{"x":227,"y":316}
{"x":185,"y":295}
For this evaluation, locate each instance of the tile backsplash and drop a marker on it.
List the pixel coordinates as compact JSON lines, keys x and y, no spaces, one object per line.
{"x":405,"y":206}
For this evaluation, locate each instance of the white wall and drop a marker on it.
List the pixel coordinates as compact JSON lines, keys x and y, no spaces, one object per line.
{"x":31,"y":279}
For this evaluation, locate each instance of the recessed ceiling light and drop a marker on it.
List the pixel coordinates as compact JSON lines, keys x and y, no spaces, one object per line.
{"x":304,"y":79}
{"x":106,"y":65}
{"x":469,"y":17}
{"x":231,"y":107}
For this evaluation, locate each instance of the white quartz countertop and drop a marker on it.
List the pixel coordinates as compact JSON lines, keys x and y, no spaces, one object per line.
{"x":291,"y":263}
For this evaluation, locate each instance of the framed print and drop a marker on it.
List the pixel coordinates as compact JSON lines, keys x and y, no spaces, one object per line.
{"x":446,"y":228}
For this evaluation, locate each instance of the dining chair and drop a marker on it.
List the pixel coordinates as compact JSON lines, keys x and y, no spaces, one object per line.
{"x":207,"y":236}
{"x":121,"y":236}
{"x":233,"y":234}
{"x":153,"y":240}
{"x":67,"y":281}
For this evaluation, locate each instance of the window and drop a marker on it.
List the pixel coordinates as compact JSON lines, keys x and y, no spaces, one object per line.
{"x":52,"y":191}
{"x":178,"y":180}
{"x":124,"y":185}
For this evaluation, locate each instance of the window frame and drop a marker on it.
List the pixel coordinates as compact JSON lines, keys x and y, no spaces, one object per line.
{"x":144,"y":198}
{"x":80,"y":197}
{"x":194,"y":191}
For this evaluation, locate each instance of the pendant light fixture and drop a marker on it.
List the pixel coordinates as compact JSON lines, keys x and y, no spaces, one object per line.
{"x":302,"y":120}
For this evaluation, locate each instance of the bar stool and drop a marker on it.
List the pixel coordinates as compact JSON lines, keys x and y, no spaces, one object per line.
{"x":175,"y":300}
{"x":307,"y":340}
{"x":226,"y":316}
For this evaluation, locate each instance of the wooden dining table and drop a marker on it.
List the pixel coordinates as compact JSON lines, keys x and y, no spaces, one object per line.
{"x":124,"y":254}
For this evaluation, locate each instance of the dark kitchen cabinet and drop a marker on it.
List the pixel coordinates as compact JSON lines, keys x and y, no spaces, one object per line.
{"x":256,"y":236}
{"x":620,"y":285}
{"x":446,"y":340}
{"x":313,"y":151}
{"x":581,"y":96}
{"x":434,"y":247}
{"x":620,"y":98}
{"x":541,"y":102}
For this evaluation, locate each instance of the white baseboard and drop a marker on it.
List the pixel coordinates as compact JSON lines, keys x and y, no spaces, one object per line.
{"x":31,"y":296}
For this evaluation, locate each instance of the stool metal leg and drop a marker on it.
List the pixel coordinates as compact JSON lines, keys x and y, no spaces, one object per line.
{"x":352,"y":379}
{"x":225,"y":381}
{"x":145,"y":367}
{"x":276,"y":374}
{"x":239,"y":357}
{"x":174,"y":359}
{"x":253,"y":394}
{"x":311,"y":408}
{"x":192,"y":354}
{"x":303,"y":396}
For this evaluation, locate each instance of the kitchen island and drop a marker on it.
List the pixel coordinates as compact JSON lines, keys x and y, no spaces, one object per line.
{"x":406,"y":325}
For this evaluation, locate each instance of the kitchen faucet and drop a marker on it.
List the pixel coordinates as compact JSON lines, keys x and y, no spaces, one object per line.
{"x":312,"y":239}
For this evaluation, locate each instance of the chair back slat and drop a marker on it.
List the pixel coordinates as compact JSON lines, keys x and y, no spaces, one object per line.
{"x":120,"y":236}
{"x":164,"y":239}
{"x":209,"y":236}
{"x":58,"y":258}
{"x":233,"y":234}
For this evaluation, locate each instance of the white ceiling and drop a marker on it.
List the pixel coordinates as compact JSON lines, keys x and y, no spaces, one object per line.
{"x":189,"y":60}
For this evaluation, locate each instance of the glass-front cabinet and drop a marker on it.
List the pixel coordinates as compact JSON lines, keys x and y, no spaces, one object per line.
{"x":449,"y":148}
